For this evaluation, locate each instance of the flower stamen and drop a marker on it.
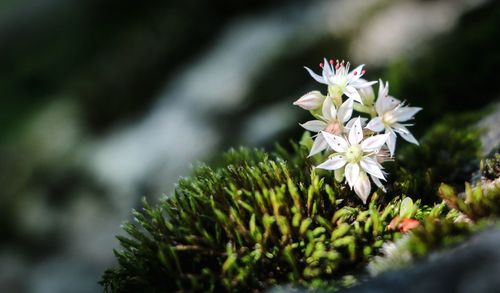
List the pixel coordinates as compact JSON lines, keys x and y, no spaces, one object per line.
{"x":354,"y":154}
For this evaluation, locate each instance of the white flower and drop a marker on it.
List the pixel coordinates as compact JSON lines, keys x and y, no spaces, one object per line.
{"x":340,"y":80}
{"x":356,"y":155}
{"x":331,"y":120}
{"x":391,"y":112}
{"x":310,"y":101}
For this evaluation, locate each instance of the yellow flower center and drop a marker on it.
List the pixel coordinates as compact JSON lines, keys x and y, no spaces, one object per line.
{"x":354,"y":154}
{"x":388,"y":118}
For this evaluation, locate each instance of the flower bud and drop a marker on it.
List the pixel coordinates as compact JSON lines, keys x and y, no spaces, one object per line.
{"x":367,"y":95}
{"x":310,"y":101}
{"x":336,"y":91}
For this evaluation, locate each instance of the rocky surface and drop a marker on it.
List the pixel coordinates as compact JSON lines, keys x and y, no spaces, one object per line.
{"x":473,"y":266}
{"x":489,"y":126}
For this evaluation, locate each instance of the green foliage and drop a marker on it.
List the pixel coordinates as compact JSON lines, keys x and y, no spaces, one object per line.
{"x":480,"y":202}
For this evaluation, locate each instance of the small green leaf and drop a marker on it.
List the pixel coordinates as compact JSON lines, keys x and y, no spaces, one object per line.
{"x":406,"y":208}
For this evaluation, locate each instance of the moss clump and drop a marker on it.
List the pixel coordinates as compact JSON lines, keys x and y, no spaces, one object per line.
{"x":259,"y":221}
{"x":476,"y":203}
{"x":434,"y":233}
{"x":490,"y":168}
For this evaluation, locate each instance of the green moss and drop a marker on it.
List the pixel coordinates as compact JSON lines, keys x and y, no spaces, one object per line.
{"x":435,"y":233}
{"x":490,"y":168}
{"x":257,"y":222}
{"x":475,"y":203}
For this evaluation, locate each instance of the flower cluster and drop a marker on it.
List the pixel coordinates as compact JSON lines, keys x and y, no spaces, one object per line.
{"x":356,"y":146}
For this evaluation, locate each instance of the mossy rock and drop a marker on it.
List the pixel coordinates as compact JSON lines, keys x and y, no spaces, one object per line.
{"x":265,"y":219}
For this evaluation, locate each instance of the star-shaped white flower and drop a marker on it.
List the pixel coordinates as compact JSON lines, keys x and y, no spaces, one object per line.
{"x":332,"y":120}
{"x":340,"y":81}
{"x":391,"y":112}
{"x":356,"y":155}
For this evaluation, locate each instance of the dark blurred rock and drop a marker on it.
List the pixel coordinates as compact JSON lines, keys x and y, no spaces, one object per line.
{"x":64,"y":274}
{"x":490,"y":138}
{"x":111,"y":55}
{"x":13,"y":268}
{"x":474,"y":266}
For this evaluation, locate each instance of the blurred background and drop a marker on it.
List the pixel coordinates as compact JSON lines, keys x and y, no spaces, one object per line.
{"x":103,"y":102}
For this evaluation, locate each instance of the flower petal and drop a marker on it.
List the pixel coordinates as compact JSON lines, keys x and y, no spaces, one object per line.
{"x":376,"y":124}
{"x":349,"y":124}
{"x":406,"y":113}
{"x":389,"y":103}
{"x":383,"y":89}
{"x":356,"y":132}
{"x":355,"y":74}
{"x":352,"y":93}
{"x":339,"y":174}
{"x":333,"y":163}
{"x":352,"y":173}
{"x":405,"y":133}
{"x":361,"y":83}
{"x":316,"y":77}
{"x":345,"y":111}
{"x":337,"y":143}
{"x":327,"y":69}
{"x":371,"y":167}
{"x":318,"y":146}
{"x":384,"y":103}
{"x":399,"y":128}
{"x":329,"y":111}
{"x":391,"y":141}
{"x":378,"y":183}
{"x":363,"y":187}
{"x":374,"y":143}
{"x":314,"y":125}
